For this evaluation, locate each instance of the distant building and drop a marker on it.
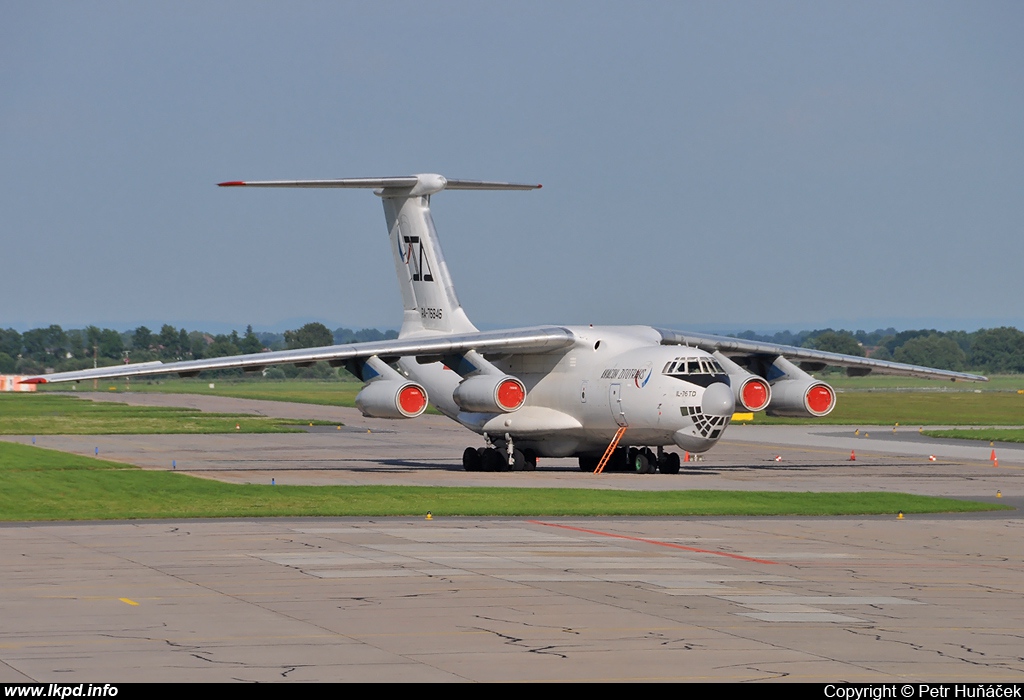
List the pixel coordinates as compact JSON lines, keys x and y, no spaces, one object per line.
{"x":12,"y":382}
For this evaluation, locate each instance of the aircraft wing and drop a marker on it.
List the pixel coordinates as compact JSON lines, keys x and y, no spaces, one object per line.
{"x":807,"y":357}
{"x":519,"y":341}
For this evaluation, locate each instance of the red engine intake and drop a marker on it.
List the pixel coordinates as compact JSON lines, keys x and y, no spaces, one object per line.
{"x":796,"y":398}
{"x":753,"y":394}
{"x":486,"y":393}
{"x":390,"y":398}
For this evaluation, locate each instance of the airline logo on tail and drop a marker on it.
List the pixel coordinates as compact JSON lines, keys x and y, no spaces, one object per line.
{"x":414,"y":251}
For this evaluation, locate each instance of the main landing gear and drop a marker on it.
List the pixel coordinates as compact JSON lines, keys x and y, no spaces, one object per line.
{"x":501,"y":456}
{"x":640,"y":460}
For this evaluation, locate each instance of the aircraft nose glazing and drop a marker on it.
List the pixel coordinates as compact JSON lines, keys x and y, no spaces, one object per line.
{"x":718,"y":400}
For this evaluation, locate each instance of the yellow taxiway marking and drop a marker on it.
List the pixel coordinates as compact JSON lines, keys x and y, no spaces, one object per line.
{"x":128,"y":600}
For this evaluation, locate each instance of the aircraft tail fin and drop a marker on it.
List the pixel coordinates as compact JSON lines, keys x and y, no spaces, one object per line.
{"x":428,"y":294}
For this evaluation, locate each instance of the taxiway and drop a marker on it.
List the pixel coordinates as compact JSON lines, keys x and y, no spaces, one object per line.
{"x":926,"y":598}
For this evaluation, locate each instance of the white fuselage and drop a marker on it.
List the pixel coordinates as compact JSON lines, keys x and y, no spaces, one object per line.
{"x":577,"y":398}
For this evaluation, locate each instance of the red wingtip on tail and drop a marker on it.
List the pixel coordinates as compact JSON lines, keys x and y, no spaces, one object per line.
{"x":233,"y":183}
{"x":34,"y":380}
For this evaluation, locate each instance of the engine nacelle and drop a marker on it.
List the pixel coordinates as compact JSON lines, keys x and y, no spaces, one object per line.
{"x":752,"y":392}
{"x":801,"y":398}
{"x":392,"y":398}
{"x":488,"y":393}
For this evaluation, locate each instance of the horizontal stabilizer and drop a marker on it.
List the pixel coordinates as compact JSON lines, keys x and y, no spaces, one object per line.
{"x":413,"y":185}
{"x":354,"y":182}
{"x":488,"y":185}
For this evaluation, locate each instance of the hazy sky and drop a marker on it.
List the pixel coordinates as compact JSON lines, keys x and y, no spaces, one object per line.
{"x":706,"y":165}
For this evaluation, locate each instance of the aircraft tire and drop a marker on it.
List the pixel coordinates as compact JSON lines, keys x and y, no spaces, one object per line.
{"x":652,"y":460}
{"x":471,"y":460}
{"x":670,"y":465}
{"x":640,"y":463}
{"x":493,"y":461}
{"x":531,"y":459}
{"x":588,"y":464}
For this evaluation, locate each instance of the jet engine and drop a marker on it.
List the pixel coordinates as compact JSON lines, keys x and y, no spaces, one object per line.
{"x":796,"y":394}
{"x":392,"y":398}
{"x":488,"y":393}
{"x":751,"y":391}
{"x":801,"y":398}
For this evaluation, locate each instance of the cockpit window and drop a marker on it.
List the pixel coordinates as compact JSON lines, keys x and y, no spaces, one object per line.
{"x":693,"y":365}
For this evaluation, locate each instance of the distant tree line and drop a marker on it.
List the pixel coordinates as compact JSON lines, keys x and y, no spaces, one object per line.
{"x":54,"y":349}
{"x":990,"y":350}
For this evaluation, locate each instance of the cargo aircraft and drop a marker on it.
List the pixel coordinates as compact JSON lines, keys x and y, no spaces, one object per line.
{"x":612,"y":396}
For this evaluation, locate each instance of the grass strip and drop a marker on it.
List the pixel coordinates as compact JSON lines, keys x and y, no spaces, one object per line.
{"x":875,"y":382}
{"x":26,"y":414}
{"x":324,"y":393}
{"x":996,"y":435}
{"x":44,"y":484}
{"x":917,"y":408}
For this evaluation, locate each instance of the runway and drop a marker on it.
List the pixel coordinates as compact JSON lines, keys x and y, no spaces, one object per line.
{"x":927,"y":598}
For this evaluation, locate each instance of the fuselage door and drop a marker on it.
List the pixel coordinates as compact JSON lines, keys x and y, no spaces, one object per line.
{"x":615,"y":402}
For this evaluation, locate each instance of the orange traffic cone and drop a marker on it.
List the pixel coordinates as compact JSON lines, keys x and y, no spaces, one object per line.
{"x":853,"y":456}
{"x":992,"y":457}
{"x":931,"y":458}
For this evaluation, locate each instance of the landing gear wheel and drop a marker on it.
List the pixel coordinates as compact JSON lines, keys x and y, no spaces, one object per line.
{"x":471,"y":460}
{"x":640,"y":463}
{"x":531,"y":459}
{"x":494,"y":461}
{"x":588,"y":464}
{"x":671,"y":464}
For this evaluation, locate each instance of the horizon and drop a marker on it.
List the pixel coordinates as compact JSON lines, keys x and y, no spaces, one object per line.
{"x":218,"y":327}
